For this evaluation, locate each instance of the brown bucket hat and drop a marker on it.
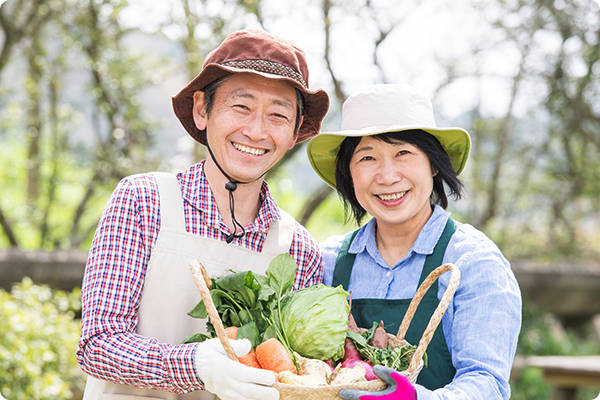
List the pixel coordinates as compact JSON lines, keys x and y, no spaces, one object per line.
{"x":258,"y":52}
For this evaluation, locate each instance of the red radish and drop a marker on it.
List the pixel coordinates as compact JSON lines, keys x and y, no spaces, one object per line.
{"x":350,"y":353}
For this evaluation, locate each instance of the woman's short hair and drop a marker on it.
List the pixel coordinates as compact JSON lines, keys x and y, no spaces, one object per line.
{"x":438,"y":159}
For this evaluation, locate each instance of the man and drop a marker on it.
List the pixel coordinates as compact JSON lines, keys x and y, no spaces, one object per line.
{"x":249,"y":105}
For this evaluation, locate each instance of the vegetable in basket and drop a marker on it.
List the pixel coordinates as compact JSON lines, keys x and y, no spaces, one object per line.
{"x":315,"y":321}
{"x":312,"y":321}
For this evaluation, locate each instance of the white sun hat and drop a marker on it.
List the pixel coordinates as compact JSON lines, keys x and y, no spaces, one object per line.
{"x":381,"y":109}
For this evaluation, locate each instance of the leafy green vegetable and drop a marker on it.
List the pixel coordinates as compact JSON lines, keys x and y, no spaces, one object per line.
{"x":248,"y":301}
{"x":311,"y":321}
{"x":315,"y":321}
{"x":397,"y":358}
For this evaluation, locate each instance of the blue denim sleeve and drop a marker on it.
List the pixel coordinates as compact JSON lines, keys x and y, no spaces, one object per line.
{"x":330,"y":248}
{"x":483,"y":321}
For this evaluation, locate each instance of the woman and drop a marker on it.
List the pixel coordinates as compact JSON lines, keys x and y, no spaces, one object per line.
{"x":391,"y":161}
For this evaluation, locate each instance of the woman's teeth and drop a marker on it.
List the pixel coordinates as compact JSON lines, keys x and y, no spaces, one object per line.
{"x":249,"y":150}
{"x":391,"y":197}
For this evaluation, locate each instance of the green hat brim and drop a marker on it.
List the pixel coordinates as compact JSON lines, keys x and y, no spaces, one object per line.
{"x":323,"y":149}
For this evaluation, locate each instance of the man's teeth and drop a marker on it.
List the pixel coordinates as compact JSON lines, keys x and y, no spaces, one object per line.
{"x":249,"y":150}
{"x":391,"y":197}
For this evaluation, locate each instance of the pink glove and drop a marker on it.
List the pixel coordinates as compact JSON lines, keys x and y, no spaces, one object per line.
{"x":399,"y":387}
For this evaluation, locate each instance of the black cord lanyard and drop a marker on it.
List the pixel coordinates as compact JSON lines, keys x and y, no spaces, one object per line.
{"x":231,"y":186}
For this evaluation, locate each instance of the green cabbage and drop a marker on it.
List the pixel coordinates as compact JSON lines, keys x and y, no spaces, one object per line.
{"x":315,"y":321}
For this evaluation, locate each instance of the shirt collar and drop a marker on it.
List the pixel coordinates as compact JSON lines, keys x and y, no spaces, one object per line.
{"x":197,"y":192}
{"x":425,"y":243}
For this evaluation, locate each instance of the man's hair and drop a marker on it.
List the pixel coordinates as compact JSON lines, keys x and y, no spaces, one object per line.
{"x":210,"y":92}
{"x":438,"y":159}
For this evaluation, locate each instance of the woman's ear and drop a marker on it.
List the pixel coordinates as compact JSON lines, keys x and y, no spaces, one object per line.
{"x":199,"y":110}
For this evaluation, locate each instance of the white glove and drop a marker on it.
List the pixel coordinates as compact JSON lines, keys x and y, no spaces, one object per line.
{"x":229,"y":379}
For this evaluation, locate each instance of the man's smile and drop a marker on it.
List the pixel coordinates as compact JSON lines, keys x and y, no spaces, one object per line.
{"x":249,"y":150}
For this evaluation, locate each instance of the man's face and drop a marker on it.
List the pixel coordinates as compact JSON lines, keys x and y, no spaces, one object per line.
{"x":250,"y":126}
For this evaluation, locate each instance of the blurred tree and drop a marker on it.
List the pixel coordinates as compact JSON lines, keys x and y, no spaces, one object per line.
{"x":535,"y":175}
{"x":68,"y":179}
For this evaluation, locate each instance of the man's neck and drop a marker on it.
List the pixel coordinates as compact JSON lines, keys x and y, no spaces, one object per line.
{"x":246,"y":197}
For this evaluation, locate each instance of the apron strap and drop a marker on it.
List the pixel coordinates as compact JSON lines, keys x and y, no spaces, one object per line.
{"x":171,"y":202}
{"x":435,"y":259}
{"x":344,"y":262}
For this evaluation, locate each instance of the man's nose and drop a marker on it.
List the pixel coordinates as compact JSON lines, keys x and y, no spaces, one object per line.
{"x":255,"y":127}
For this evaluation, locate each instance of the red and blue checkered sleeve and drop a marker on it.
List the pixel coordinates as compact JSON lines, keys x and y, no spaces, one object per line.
{"x":308,"y":256}
{"x":109,"y":348}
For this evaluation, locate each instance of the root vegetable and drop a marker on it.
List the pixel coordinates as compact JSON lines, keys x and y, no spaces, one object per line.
{"x":231,"y":332}
{"x":380,"y":337}
{"x":369,"y":375}
{"x":273,"y":356}
{"x":250,"y":360}
{"x":344,"y":375}
{"x":309,"y":366}
{"x":301,"y":380}
{"x":350,"y":352}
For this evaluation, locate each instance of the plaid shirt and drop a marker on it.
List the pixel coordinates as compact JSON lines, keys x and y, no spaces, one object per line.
{"x":109,"y":348}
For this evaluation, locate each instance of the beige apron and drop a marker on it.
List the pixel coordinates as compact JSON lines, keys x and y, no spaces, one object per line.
{"x":169,"y":291}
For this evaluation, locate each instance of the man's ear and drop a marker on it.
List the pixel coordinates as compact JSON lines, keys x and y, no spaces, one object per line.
{"x":199,"y":110}
{"x":297,"y":132}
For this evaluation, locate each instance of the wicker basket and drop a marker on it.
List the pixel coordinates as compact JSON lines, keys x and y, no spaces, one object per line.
{"x":290,"y":392}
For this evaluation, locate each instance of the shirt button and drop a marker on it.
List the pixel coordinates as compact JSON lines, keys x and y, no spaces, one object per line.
{"x":388,"y":274}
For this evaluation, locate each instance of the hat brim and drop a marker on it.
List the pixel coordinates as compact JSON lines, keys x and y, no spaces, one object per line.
{"x":316,"y":102}
{"x":323,"y":149}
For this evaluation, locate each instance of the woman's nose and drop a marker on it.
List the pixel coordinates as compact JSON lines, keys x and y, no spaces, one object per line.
{"x":387,"y":174}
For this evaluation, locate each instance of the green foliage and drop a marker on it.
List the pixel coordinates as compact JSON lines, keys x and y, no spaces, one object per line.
{"x":38,"y":341}
{"x":542,"y":334}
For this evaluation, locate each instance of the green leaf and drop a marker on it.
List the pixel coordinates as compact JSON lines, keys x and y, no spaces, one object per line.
{"x":248,"y":296}
{"x":251,"y":282}
{"x":245,"y":317}
{"x":265,"y":293}
{"x":233,"y":282}
{"x":270,"y":332}
{"x":196,"y":337}
{"x":199,"y":311}
{"x":250,"y":331}
{"x":281,"y":273}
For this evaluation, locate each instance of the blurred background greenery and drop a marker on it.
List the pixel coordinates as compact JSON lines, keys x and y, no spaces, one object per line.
{"x":85,"y":90}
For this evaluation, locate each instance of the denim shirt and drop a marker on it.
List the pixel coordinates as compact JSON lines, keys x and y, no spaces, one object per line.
{"x":482,"y":323}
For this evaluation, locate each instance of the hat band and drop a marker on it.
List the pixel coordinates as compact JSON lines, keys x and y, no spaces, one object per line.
{"x":268,"y":67}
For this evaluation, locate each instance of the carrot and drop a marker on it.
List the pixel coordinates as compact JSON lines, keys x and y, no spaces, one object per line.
{"x":250,"y":360}
{"x":231,"y":332}
{"x":273,"y":356}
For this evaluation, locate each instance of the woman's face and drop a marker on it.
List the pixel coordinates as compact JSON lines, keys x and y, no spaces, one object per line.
{"x":392,"y":181}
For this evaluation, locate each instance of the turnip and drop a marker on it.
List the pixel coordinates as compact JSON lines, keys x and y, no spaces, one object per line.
{"x":369,"y":375}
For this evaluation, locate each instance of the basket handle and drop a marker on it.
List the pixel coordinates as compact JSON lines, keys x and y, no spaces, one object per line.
{"x":437,"y":314}
{"x":203,"y":282}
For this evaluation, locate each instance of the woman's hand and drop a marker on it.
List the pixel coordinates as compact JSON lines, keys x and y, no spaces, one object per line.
{"x":399,"y":387}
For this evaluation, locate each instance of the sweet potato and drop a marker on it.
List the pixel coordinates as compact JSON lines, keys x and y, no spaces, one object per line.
{"x":380,"y":337}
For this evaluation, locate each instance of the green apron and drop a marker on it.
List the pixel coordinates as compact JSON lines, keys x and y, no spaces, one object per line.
{"x":440,"y":370}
